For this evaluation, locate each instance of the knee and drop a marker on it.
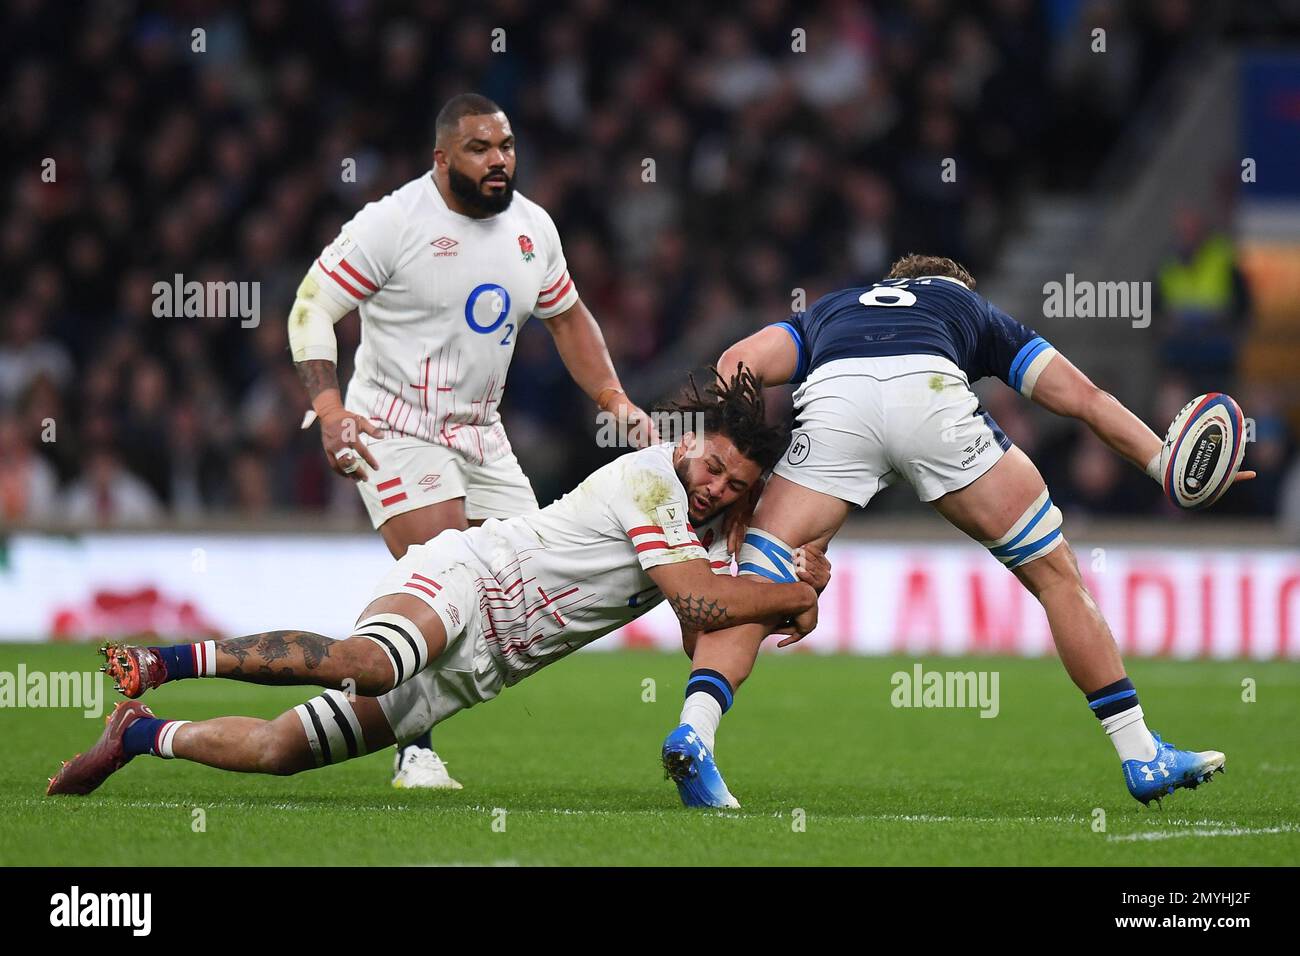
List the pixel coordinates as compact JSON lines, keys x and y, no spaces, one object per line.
{"x":389,"y":647}
{"x":366,"y":664}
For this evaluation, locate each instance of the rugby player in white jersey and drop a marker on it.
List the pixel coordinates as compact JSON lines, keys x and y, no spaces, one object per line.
{"x":444,"y":271}
{"x":474,"y":611}
{"x":884,"y":375}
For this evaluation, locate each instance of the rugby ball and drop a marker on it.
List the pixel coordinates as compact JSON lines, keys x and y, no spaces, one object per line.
{"x":1203,"y":450}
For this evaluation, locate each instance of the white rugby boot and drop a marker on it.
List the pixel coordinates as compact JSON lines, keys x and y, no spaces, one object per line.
{"x":418,"y":768}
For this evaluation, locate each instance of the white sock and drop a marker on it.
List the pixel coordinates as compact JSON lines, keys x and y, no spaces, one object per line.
{"x":703,"y":712}
{"x":1128,"y":732}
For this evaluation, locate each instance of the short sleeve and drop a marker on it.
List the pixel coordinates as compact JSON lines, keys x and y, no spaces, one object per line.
{"x":649,"y":505}
{"x":1014,"y":352}
{"x":360,"y":260}
{"x":796,"y":327}
{"x":557,"y":292}
{"x":713,"y":538}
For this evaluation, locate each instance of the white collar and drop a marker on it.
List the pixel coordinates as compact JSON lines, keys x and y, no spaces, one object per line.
{"x":948,"y":279}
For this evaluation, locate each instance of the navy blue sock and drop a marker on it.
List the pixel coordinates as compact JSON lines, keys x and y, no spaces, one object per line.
{"x":178,"y":659}
{"x":1113,"y":699}
{"x":712,"y":683}
{"x":140,"y":736}
{"x":425,"y":740}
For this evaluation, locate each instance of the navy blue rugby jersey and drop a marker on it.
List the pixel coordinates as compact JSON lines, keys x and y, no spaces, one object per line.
{"x":930,"y":315}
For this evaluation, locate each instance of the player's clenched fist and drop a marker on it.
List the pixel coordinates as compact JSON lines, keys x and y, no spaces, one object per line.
{"x":340,"y":433}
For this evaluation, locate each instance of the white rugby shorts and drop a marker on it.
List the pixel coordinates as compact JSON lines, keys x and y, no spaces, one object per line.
{"x":444,"y":574}
{"x":414,"y":473}
{"x":864,"y":423}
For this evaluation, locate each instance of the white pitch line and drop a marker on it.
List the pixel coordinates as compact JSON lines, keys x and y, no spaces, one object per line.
{"x":226,"y":804}
{"x":473,"y":865}
{"x":934,"y":818}
{"x":1200,"y":832}
{"x":1177,"y":828}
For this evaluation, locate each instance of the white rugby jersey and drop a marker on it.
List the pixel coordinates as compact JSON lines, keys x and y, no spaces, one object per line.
{"x":572,"y":572}
{"x":442,"y":298}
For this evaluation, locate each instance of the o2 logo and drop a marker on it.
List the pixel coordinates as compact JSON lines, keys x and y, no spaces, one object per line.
{"x":499,"y":301}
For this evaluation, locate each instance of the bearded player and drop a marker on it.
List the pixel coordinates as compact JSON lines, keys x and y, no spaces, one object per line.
{"x":884,"y":375}
{"x":444,"y":272}
{"x":474,"y":611}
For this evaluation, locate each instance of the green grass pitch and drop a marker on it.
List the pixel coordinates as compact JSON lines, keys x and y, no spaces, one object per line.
{"x":571,"y":755}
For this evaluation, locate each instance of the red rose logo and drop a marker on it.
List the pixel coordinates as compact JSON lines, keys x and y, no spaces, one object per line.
{"x":526,"y":248}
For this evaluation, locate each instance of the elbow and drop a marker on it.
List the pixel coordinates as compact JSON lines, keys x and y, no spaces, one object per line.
{"x":733,"y":358}
{"x":728,"y":359}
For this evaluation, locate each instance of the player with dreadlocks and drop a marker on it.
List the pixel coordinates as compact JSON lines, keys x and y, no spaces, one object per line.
{"x":473,"y":611}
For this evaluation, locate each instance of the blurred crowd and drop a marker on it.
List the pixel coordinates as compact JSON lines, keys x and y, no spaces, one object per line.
{"x":782,"y":160}
{"x":1203,"y":318}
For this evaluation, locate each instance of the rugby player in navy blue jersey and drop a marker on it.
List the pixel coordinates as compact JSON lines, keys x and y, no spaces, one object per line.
{"x":884,"y":375}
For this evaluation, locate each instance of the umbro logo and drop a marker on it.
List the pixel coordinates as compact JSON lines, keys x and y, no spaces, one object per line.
{"x":445,"y":246}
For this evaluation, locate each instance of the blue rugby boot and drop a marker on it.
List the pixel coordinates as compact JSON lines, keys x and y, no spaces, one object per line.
{"x":690,"y":765}
{"x":1168,"y":770}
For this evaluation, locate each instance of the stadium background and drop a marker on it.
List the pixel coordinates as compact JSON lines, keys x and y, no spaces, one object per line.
{"x":180,"y":496}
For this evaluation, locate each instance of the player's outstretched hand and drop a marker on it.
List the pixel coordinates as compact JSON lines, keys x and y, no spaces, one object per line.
{"x":340,"y":433}
{"x":812,"y":566}
{"x":1244,"y":476}
{"x":736,"y":522}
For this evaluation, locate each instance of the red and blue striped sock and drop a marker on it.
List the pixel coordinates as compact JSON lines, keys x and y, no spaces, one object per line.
{"x":188,"y":660}
{"x":151,"y":735}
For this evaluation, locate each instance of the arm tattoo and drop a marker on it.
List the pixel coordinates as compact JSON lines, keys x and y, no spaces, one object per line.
{"x":300,"y":650}
{"x":238,"y":648}
{"x":699,"y":614}
{"x":274,"y":647}
{"x":314,"y":649}
{"x":318,"y":375}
